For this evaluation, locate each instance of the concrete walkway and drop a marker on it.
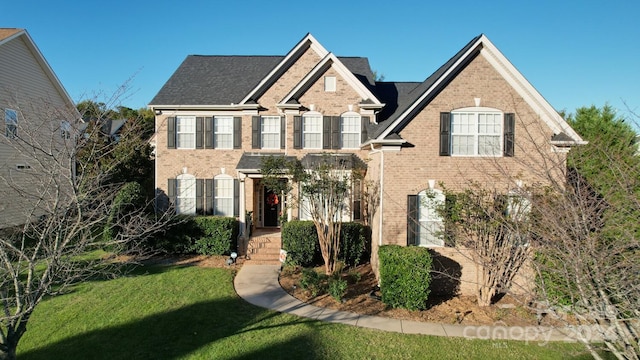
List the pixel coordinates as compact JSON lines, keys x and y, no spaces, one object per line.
{"x":259,"y":285}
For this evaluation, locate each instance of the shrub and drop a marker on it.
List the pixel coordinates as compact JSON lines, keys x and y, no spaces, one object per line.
{"x":217,"y":235}
{"x":300,"y":240}
{"x":312,"y":281}
{"x":404,"y":276}
{"x":207,"y":235}
{"x":337,"y":288}
{"x":355,"y":243}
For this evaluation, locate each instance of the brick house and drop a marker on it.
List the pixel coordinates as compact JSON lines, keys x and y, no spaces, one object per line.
{"x":217,"y":116}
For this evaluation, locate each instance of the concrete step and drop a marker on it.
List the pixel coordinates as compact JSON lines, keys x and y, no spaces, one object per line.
{"x":262,"y":262}
{"x":269,"y":251}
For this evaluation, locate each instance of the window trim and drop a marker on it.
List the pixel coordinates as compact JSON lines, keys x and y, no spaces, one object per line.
{"x":315,"y":116}
{"x":477,"y":111}
{"x":278,"y":120}
{"x":178,"y":132}
{"x":358,"y":133}
{"x":216,"y":133}
{"x":11,"y":123}
{"x":435,"y":196}
{"x":330,"y":84}
{"x":179,"y":191}
{"x":216,"y":187}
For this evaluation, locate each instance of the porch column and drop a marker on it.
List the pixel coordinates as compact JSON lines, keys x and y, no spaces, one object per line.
{"x":243,"y":207}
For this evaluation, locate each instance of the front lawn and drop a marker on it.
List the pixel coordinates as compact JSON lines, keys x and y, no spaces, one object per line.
{"x":171,"y":312}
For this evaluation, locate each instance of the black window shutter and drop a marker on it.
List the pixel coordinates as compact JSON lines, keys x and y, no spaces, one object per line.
{"x":199,"y":196}
{"x":213,"y":196}
{"x":297,"y":132}
{"x":326,"y":132}
{"x":255,"y":132}
{"x":509,"y":134}
{"x":199,"y":132}
{"x":172,"y":186}
{"x":236,"y":197}
{"x":363,"y":129}
{"x":237,"y":132}
{"x":208,"y":133}
{"x":412,"y":219}
{"x":283,"y":131}
{"x":445,"y":134}
{"x":335,"y":132}
{"x":171,"y":132}
{"x":208,"y":196}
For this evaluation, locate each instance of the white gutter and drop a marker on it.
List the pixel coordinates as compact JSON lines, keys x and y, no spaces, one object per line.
{"x":374,"y":151}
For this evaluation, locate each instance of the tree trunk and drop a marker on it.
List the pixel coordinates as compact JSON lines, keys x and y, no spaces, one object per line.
{"x":8,"y":351}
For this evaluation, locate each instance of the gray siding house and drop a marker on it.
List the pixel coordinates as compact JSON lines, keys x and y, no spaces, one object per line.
{"x":36,"y":117}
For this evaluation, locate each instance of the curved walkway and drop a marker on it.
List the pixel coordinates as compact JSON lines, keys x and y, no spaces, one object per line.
{"x":259,"y":285}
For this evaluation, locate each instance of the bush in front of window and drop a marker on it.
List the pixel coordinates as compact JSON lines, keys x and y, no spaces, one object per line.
{"x":355,"y":243}
{"x":217,"y":235}
{"x":300,"y":240}
{"x":206,"y":235}
{"x":405,"y":276}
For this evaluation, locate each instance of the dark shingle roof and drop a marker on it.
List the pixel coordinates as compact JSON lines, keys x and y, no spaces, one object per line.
{"x":406,"y":100}
{"x":223,"y":80}
{"x":253,"y":161}
{"x":214,"y":80}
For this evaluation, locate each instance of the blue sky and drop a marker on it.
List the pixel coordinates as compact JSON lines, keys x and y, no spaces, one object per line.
{"x":575,"y":53}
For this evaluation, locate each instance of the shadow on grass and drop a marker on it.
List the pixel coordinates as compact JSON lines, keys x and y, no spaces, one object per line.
{"x":178,"y":333}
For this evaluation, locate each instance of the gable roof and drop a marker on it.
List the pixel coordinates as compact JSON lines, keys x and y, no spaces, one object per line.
{"x":228,"y":81}
{"x":331,"y":61}
{"x":418,"y":97}
{"x":10,"y":34}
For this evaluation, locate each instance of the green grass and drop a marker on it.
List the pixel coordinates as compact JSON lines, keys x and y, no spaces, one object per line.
{"x":194,"y":313}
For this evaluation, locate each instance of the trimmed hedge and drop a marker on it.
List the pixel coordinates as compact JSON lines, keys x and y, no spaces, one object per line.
{"x":217,"y":235}
{"x":355,"y":243}
{"x":405,"y":276}
{"x":206,"y":235}
{"x":300,"y":239}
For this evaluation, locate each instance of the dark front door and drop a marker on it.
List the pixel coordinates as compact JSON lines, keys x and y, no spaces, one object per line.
{"x":271,"y":208}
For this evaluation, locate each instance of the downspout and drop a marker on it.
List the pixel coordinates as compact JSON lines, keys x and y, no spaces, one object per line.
{"x":373,"y":151}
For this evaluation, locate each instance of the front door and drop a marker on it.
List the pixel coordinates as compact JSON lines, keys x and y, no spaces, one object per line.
{"x":271,"y":208}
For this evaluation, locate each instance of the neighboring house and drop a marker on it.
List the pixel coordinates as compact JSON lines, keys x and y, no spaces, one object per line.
{"x":217,"y":116}
{"x":37,"y":113}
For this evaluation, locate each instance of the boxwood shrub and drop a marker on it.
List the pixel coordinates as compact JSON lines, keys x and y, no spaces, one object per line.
{"x":217,"y":235}
{"x":300,"y":240}
{"x":404,"y":276}
{"x":206,"y":235}
{"x":355,"y":243}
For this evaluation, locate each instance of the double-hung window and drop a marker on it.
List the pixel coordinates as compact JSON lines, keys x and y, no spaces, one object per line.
{"x":270,"y":132}
{"x":223,"y":196}
{"x":186,"y":194}
{"x":11,"y":123}
{"x":350,"y":131}
{"x":223,"y":132}
{"x":65,"y":129}
{"x":312,"y":131}
{"x":476,"y":133}
{"x":186,"y":132}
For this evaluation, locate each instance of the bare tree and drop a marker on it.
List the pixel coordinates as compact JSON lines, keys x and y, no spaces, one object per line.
{"x":494,"y":229}
{"x":60,"y":216}
{"x":577,"y":225}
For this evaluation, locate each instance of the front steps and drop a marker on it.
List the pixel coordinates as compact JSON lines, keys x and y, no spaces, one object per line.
{"x":263,"y":248}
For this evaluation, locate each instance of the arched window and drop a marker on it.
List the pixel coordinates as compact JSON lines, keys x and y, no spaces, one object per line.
{"x":312,"y":130}
{"x":430,"y":224}
{"x":350,"y":130}
{"x":223,"y":196}
{"x":186,"y":194}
